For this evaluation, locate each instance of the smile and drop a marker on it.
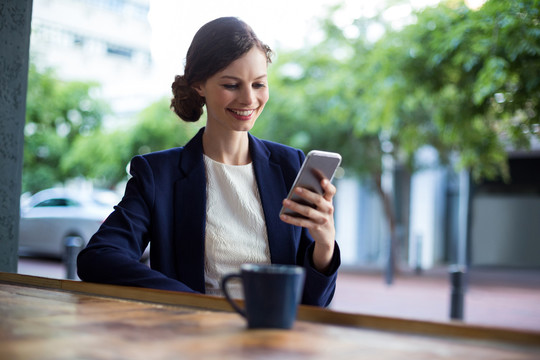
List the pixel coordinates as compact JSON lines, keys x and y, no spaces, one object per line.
{"x":242,"y":112}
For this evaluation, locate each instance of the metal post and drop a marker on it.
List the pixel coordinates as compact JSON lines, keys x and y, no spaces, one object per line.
{"x":418,"y":248}
{"x":464,"y":218}
{"x":459,"y":270}
{"x":389,"y":271}
{"x":73,"y":244}
{"x":387,"y":186}
{"x":457,"y":294}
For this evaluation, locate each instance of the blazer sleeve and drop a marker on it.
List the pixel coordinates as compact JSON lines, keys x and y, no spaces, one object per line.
{"x":319,"y":287}
{"x":113,"y":254}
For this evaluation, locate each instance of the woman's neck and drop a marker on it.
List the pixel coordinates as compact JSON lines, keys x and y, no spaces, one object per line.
{"x":230,"y":148}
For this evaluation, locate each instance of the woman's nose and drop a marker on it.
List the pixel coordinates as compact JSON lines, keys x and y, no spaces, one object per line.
{"x":247,"y":96}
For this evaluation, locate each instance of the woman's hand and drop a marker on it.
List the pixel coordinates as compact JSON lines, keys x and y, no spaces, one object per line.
{"x":319,"y":221}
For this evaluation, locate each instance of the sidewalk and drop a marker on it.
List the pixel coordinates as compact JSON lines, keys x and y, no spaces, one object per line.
{"x":494,"y":297}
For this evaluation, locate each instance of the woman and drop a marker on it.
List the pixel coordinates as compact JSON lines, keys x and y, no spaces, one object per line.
{"x":214,"y":204}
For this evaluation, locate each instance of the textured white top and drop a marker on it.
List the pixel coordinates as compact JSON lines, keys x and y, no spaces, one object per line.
{"x":235,"y":225}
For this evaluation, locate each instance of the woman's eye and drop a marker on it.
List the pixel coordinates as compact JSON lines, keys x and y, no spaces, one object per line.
{"x":236,"y":86}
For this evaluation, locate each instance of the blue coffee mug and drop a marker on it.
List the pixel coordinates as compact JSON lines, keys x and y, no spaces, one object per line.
{"x":271,"y":294}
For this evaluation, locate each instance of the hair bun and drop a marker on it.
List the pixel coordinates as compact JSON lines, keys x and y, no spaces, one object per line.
{"x":186,"y":102}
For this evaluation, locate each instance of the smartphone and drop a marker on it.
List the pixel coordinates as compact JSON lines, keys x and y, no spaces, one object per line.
{"x":317,"y":165}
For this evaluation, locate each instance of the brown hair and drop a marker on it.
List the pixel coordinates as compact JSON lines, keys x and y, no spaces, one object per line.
{"x":214,"y":47}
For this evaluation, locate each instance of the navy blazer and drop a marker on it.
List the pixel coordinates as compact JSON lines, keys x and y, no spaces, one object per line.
{"x":165,"y":205}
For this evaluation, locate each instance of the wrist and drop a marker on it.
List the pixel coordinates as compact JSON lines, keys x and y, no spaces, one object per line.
{"x":322,"y":256}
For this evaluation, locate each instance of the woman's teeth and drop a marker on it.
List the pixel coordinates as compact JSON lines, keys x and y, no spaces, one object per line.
{"x":242,"y":112}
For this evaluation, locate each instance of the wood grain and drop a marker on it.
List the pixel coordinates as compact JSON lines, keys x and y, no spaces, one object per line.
{"x":61,"y":319}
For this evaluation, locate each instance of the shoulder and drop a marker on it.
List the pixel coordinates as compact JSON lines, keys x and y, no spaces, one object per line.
{"x":159,"y":158}
{"x":191,"y":152}
{"x":164,"y":155}
{"x":157,"y":162}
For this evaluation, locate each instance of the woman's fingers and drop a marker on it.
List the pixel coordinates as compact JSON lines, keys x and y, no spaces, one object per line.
{"x":317,"y":214}
{"x":329,"y":189}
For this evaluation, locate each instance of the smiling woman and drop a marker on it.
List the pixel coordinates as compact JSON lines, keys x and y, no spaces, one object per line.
{"x":213,"y":205}
{"x":238,"y":95}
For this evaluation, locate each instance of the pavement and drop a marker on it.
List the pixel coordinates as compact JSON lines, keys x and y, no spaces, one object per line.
{"x":494,"y":297}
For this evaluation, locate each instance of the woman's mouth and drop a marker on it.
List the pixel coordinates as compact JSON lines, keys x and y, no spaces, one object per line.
{"x":242,"y":114}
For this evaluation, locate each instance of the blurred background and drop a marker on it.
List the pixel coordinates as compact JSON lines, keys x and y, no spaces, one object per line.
{"x":432,"y":104}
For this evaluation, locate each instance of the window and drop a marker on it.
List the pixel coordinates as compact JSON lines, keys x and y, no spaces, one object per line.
{"x":119,"y":51}
{"x":57,"y":202}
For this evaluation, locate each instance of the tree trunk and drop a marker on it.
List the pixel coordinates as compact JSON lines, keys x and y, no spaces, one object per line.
{"x":391,"y":218}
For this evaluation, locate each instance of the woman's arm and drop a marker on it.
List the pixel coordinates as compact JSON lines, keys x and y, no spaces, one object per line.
{"x":318,"y":220}
{"x":113,"y":254}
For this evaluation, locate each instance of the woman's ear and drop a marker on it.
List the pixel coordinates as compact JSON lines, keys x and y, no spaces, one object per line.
{"x":199,"y":88}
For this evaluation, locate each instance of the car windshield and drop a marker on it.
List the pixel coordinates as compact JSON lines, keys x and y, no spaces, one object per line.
{"x":57,"y":202}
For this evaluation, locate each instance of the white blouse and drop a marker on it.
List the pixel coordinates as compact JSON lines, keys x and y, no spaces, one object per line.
{"x":235,"y":224}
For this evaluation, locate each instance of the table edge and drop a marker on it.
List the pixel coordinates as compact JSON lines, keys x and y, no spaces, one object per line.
{"x":305,"y":312}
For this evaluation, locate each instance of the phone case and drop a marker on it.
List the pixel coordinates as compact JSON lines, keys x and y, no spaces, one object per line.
{"x":317,"y":165}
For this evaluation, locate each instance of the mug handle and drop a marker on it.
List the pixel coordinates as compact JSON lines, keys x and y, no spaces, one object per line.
{"x":224,"y":281}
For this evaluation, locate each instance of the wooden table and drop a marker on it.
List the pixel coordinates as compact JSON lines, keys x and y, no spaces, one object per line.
{"x":60,"y":319}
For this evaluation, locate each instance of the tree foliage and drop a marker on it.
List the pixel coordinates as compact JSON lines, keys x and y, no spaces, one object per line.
{"x":461,"y":81}
{"x":153,"y":129}
{"x":465,"y":82}
{"x":57,"y":113}
{"x":315,"y":102}
{"x":65,"y":137}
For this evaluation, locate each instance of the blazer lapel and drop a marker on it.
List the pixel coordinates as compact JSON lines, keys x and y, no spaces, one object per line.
{"x":272,"y":190}
{"x":190,"y":215}
{"x":190,"y":210}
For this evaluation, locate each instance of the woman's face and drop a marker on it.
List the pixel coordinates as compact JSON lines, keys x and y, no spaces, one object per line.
{"x":235,"y":96}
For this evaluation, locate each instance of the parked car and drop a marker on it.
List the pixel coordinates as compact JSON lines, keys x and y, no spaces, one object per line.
{"x":50,"y":217}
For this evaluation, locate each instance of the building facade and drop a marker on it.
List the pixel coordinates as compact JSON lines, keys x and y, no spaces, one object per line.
{"x":107,"y":41}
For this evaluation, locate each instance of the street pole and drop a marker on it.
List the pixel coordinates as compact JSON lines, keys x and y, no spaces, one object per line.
{"x":458,"y":271}
{"x":73,"y":245}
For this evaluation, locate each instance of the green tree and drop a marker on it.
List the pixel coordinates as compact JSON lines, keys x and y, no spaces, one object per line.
{"x":155,"y":128}
{"x":462,"y":81}
{"x":465,"y":82}
{"x":99,"y":157}
{"x":57,"y":113}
